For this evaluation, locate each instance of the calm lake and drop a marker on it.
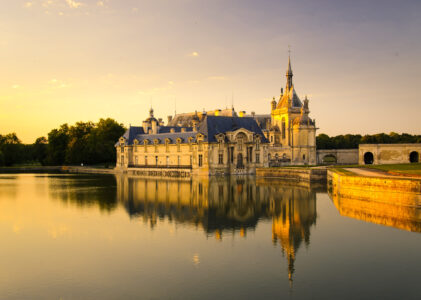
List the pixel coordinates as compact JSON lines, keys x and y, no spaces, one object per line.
{"x":115,"y":237}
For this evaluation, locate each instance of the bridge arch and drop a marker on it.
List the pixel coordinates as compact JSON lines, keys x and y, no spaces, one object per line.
{"x":368,"y":158}
{"x":329,"y":159}
{"x":414,"y":157}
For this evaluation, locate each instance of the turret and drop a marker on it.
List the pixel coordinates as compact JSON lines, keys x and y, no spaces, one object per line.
{"x":273,"y":104}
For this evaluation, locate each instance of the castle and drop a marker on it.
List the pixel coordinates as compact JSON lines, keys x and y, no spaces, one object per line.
{"x":222,"y":141}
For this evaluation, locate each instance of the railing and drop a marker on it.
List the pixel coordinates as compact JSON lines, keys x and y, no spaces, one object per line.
{"x":161,"y":166}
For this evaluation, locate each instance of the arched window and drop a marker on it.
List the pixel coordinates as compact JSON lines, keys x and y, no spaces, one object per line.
{"x":240,"y":164}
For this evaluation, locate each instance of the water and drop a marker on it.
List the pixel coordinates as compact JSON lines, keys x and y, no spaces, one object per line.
{"x":106,"y":237}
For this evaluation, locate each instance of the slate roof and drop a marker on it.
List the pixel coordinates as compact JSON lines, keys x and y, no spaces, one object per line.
{"x":292,"y":95}
{"x":212,"y":126}
{"x":209,"y":127}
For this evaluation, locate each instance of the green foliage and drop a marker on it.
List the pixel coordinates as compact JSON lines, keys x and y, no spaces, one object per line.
{"x":86,"y":143}
{"x":58,"y":140}
{"x":351,"y":141}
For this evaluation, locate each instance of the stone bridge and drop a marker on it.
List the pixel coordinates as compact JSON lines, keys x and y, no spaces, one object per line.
{"x":337,"y":156}
{"x":389,"y":153}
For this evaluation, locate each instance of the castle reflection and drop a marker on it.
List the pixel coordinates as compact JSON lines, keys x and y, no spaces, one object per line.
{"x":374,"y":207}
{"x":220,"y":206}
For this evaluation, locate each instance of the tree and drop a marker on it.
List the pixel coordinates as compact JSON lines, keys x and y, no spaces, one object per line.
{"x":57,"y":145}
{"x":39,"y":150}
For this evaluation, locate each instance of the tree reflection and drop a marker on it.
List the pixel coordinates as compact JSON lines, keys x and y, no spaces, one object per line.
{"x":84,"y":190}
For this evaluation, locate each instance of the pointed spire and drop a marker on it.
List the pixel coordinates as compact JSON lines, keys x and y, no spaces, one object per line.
{"x":289,"y":71}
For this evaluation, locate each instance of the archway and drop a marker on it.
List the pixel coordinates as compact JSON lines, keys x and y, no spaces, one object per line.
{"x":329,"y":159}
{"x":414,"y":157}
{"x":368,"y":158}
{"x":240,"y":164}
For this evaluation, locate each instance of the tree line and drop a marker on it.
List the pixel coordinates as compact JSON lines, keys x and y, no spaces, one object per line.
{"x":350,"y":141}
{"x":83,"y":142}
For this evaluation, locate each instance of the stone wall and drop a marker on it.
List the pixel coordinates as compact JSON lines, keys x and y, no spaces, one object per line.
{"x":389,"y":153}
{"x":380,"y":189}
{"x":342,"y":156}
{"x":293,"y":174}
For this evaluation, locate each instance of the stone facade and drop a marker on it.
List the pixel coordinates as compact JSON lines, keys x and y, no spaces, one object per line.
{"x":292,"y":134}
{"x":214,"y":145}
{"x":389,"y":154}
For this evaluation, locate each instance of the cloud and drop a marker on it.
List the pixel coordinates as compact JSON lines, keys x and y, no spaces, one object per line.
{"x":73,"y":4}
{"x":47,"y":3}
{"x":58,"y":84}
{"x":194,"y":54}
{"x":217,"y":78}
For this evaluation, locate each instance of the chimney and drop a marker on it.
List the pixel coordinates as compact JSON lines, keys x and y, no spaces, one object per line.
{"x":253,"y":114}
{"x":183,"y":129}
{"x":160,"y":123}
{"x":154,"y":127}
{"x":217,"y":112}
{"x":172,"y":130}
{"x":169,"y":119}
{"x":242,"y":114}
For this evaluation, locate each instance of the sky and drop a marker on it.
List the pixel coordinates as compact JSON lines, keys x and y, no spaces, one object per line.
{"x":63,"y":61}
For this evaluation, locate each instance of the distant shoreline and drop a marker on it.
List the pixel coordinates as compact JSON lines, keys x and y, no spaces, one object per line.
{"x":55,"y":169}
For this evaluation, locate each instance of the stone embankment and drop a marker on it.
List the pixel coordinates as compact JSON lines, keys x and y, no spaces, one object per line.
{"x":387,"y":189}
{"x":298,"y":174}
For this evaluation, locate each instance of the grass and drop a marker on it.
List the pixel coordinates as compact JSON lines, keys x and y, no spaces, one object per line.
{"x":411,"y":169}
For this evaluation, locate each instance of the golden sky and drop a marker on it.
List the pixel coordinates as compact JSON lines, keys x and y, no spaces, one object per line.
{"x":64,"y":61}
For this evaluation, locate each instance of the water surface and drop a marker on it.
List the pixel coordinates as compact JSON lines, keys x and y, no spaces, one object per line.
{"x":106,"y":237}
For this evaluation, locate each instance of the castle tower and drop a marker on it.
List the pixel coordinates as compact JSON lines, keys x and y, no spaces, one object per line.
{"x":294,"y":131}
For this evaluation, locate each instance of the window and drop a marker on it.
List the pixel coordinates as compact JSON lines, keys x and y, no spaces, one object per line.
{"x":135,"y":148}
{"x":200,"y":145}
{"x":191,"y":160}
{"x":122,"y":160}
{"x":304,"y":157}
{"x":250,"y":154}
{"x":178,"y":146}
{"x":257,"y":157}
{"x":200,"y":160}
{"x":221,"y":158}
{"x":146,"y":160}
{"x":178,"y":160}
{"x":232,"y":155}
{"x":240,"y":164}
{"x":283,"y":128}
{"x":271,"y":138}
{"x":257,"y":145}
{"x":167,"y":147}
{"x":156,"y":160}
{"x":240,"y":143}
{"x":135,"y":160}
{"x":168,"y":161}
